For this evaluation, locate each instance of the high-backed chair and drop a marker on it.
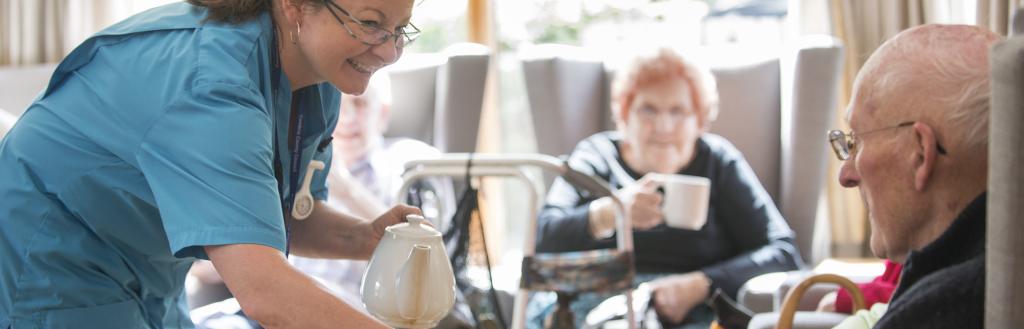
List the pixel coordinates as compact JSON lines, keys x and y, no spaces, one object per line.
{"x":774,"y":108}
{"x":568,"y":92}
{"x":436,"y":98}
{"x":1003,"y":291}
{"x":1017,"y":25}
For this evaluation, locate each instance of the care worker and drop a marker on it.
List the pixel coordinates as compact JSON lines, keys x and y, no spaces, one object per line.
{"x":190,"y":131}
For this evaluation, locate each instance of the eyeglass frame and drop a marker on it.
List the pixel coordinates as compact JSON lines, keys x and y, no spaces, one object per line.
{"x":844,"y":144}
{"x":650,"y":116}
{"x":369,"y":30}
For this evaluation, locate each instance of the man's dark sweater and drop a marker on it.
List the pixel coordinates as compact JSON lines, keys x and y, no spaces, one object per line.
{"x":744,"y":236}
{"x":943,"y":284}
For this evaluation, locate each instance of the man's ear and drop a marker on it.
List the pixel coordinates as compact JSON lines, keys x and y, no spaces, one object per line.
{"x":925,"y":154}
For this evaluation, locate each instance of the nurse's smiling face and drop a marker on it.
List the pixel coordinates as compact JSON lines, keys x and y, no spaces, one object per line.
{"x":333,"y":41}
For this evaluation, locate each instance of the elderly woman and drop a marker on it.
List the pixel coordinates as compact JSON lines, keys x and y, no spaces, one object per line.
{"x":663,"y":106}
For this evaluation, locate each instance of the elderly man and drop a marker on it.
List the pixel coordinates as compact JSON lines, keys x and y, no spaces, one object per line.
{"x":918,"y":151}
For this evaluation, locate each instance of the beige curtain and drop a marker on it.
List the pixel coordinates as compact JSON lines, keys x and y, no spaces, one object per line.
{"x":997,"y":15}
{"x":44,"y":31}
{"x":30,"y":31}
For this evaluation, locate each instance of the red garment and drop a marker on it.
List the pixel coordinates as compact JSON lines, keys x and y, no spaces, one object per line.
{"x":877,"y":291}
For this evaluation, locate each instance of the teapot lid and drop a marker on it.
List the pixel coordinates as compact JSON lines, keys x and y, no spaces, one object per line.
{"x":414,"y":228}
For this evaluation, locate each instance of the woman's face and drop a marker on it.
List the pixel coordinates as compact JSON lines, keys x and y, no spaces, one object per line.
{"x":661,"y":127}
{"x":332,"y":52}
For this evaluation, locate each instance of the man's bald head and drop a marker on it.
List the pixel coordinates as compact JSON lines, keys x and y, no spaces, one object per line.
{"x":935,"y":72}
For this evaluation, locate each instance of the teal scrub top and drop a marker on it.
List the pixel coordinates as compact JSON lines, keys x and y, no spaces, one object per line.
{"x":154,"y":138}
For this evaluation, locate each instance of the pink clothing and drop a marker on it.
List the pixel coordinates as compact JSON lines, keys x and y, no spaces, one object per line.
{"x":878,"y":290}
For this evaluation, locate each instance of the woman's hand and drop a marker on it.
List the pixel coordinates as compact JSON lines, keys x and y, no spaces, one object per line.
{"x":643,"y":202}
{"x":674,"y":296}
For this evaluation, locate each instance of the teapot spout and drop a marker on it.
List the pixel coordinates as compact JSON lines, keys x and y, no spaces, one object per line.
{"x":411,"y":284}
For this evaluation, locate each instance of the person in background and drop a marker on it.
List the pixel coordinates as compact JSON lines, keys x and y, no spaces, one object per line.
{"x":663,"y":106}
{"x":918,"y":153}
{"x":879,"y":290}
{"x":183,"y":133}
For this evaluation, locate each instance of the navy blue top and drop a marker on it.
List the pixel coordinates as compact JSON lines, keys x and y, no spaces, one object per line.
{"x":745,"y":235}
{"x":943,"y":284}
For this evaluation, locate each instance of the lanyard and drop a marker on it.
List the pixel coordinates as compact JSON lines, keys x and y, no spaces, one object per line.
{"x":295,"y":124}
{"x":299,"y":201}
{"x":294,"y":143}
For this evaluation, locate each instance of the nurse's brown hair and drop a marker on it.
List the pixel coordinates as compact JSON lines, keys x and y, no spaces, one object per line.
{"x":237,"y":11}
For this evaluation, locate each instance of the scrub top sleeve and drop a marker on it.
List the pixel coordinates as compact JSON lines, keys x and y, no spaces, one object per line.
{"x":208,"y":163}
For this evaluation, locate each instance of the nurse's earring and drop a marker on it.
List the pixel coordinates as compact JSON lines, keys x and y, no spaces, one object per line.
{"x":303,"y":204}
{"x":298,"y":33}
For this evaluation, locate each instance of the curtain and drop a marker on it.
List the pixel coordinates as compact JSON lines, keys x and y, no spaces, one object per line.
{"x":31,"y":31}
{"x":44,"y":31}
{"x":997,"y":15}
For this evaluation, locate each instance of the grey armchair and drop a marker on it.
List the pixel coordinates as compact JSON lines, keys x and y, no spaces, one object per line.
{"x":1003,"y":291}
{"x":436,"y":98}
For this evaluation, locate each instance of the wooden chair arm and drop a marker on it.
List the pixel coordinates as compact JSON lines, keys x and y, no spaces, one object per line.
{"x":789,"y":304}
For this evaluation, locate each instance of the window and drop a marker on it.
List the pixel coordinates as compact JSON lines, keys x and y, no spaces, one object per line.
{"x":441,"y":22}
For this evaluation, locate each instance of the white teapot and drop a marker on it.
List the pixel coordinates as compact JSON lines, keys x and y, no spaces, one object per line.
{"x":409,"y":282}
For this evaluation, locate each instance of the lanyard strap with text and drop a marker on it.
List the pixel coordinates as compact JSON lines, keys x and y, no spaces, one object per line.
{"x":295,"y":124}
{"x":292,"y":146}
{"x":299,"y":201}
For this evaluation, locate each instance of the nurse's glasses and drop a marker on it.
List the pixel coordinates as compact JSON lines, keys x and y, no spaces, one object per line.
{"x":372,"y":34}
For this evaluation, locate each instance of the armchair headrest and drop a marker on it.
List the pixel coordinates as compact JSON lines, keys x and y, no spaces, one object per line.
{"x":1017,"y":25}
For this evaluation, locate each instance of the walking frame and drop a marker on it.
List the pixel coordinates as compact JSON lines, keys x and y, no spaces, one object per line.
{"x":547,"y":271}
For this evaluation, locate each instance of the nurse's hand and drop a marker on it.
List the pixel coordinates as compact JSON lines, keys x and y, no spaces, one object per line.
{"x":394,"y":216}
{"x":329,"y":233}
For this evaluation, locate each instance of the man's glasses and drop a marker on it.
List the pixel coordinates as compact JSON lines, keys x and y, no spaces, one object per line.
{"x":372,"y":35}
{"x":845,"y":144}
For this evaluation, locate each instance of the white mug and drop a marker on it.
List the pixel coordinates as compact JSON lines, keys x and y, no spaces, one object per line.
{"x":685,"y":205}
